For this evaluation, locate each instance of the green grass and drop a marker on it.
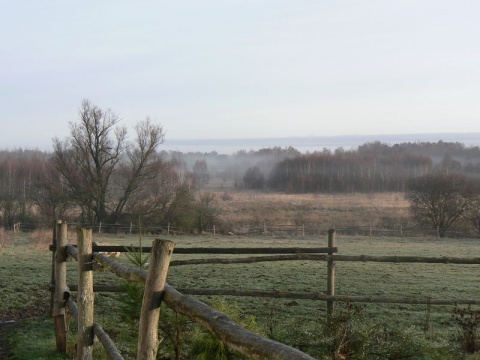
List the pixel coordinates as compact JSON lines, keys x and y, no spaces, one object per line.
{"x":25,"y":274}
{"x":35,"y":340}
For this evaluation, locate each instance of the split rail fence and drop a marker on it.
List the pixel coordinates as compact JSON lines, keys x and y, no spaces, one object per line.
{"x":234,"y":336}
{"x":156,"y":291}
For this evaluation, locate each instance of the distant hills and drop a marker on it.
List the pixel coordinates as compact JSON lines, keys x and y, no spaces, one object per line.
{"x":312,"y":143}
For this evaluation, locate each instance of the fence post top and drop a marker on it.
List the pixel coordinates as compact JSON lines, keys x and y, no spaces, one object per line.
{"x":164,"y":241}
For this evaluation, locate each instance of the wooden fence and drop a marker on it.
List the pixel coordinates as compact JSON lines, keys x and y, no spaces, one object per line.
{"x":238,"y":339}
{"x":156,"y":291}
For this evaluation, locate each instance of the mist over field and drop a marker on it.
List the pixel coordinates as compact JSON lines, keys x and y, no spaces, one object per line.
{"x":306,"y":144}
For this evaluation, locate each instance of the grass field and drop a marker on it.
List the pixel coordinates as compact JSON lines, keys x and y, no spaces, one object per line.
{"x":25,"y":264}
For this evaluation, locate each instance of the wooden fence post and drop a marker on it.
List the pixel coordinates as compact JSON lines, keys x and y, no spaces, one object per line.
{"x":161,"y":254}
{"x":330,"y":276}
{"x":52,"y":276}
{"x":61,"y":288}
{"x":85,"y":295}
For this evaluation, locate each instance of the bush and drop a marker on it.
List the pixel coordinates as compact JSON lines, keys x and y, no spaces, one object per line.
{"x":350,"y":335}
{"x":468,"y":321}
{"x":206,"y":346}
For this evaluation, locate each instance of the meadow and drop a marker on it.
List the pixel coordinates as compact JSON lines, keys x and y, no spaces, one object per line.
{"x":25,"y":267}
{"x":313,"y":210}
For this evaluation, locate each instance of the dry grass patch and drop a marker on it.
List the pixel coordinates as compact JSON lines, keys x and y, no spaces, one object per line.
{"x":6,"y":237}
{"x":40,"y":238}
{"x":320,"y":210}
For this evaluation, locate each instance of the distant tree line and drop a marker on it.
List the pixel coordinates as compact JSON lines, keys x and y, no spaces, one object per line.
{"x":373,"y":167}
{"x":346,"y":171}
{"x":21,"y":172}
{"x":98,"y":175}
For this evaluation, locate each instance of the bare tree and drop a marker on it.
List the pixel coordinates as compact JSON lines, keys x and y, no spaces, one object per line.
{"x":99,"y":168}
{"x":439,"y":199}
{"x":140,"y":166}
{"x":167,"y":198}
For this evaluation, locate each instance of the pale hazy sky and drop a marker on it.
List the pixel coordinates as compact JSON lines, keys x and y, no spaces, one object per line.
{"x":241,"y":68}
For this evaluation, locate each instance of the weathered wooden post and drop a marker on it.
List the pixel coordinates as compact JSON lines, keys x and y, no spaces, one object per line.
{"x":52,"y":275}
{"x":85,"y":295}
{"x":330,"y":276}
{"x":161,"y":254}
{"x":61,"y":288}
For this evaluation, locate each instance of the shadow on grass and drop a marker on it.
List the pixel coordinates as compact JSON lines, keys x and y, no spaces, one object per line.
{"x":34,"y":339}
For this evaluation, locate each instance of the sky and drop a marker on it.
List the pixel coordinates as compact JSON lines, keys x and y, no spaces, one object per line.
{"x":229,"y":69}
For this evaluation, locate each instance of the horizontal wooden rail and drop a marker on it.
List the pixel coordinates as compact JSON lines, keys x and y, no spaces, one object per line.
{"x":297,"y":254}
{"x":324,"y":297}
{"x":227,"y":250}
{"x":96,"y":288}
{"x":407,"y":259}
{"x":257,"y":250}
{"x":304,"y":296}
{"x":248,"y":260}
{"x":320,"y":257}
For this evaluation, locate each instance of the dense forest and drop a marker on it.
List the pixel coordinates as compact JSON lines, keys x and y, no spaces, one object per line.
{"x":373,"y":167}
{"x":30,"y":193}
